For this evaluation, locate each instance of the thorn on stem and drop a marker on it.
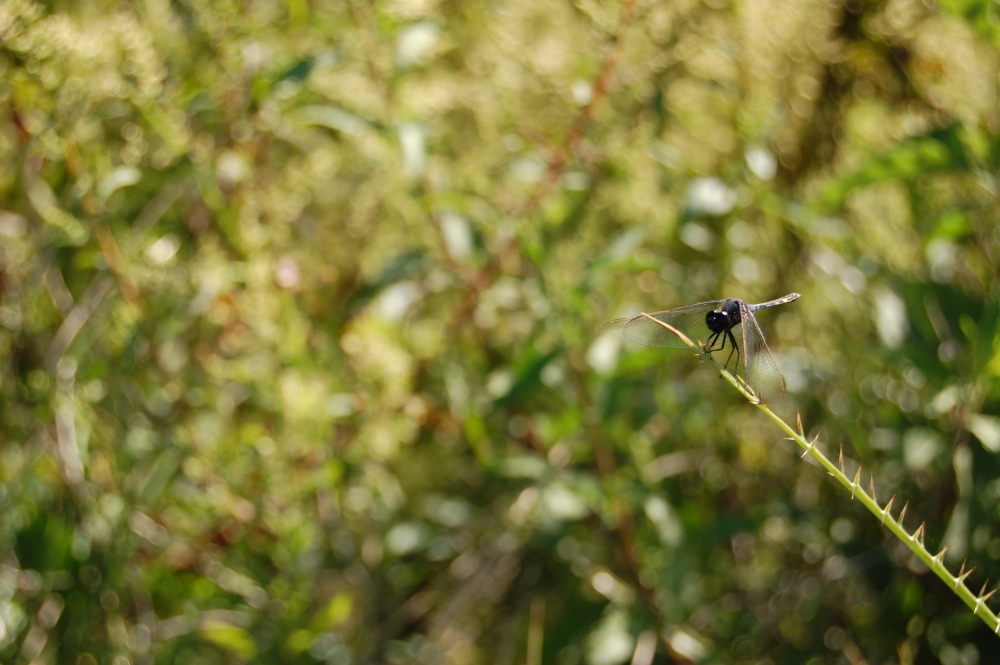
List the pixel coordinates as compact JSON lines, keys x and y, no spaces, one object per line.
{"x":854,"y":485}
{"x":940,"y":557}
{"x":811,"y":446}
{"x":871,"y":487}
{"x":888,"y":507}
{"x":841,"y":458}
{"x":981,"y":599}
{"x":962,"y":574}
{"x":902,"y":514}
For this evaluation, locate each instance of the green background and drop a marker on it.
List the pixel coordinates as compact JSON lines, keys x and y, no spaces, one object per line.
{"x":300,"y":345}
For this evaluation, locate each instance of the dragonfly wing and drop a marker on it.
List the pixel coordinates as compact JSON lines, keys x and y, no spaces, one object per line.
{"x":689,"y":320}
{"x":761,"y":369}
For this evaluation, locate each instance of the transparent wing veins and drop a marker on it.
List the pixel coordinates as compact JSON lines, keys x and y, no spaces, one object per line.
{"x":762,"y":372}
{"x":689,"y":320}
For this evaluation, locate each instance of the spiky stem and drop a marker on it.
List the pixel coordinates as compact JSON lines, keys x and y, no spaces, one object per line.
{"x":914,"y":542}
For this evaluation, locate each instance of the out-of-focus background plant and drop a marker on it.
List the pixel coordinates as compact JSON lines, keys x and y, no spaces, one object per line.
{"x":300,"y":310}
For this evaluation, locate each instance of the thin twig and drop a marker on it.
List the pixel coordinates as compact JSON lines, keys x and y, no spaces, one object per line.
{"x":76,"y":319}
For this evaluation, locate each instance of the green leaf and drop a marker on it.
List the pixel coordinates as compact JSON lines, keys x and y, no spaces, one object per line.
{"x":528,"y":379}
{"x":339,"y":609}
{"x":230,"y":637}
{"x":478,"y":438}
{"x":403,"y":266}
{"x":954,"y":224}
{"x":299,"y":641}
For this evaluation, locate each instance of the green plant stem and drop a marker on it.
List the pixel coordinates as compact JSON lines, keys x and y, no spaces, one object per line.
{"x":913,"y":541}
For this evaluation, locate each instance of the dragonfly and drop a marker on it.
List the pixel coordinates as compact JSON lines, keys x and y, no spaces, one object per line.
{"x":711,"y":324}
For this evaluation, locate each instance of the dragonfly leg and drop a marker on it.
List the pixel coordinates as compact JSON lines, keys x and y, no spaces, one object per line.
{"x":709,"y":345}
{"x":736,"y":349}
{"x":731,"y":352}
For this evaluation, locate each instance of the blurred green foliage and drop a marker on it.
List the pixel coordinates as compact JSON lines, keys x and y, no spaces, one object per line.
{"x":300,"y":309}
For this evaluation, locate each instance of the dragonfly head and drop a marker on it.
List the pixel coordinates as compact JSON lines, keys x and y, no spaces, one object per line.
{"x":718,"y":321}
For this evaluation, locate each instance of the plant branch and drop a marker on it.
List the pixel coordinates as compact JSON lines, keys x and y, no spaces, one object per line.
{"x":913,"y":541}
{"x":562,"y":153}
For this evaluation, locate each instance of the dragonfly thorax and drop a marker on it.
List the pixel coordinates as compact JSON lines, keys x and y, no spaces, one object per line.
{"x":724,"y":318}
